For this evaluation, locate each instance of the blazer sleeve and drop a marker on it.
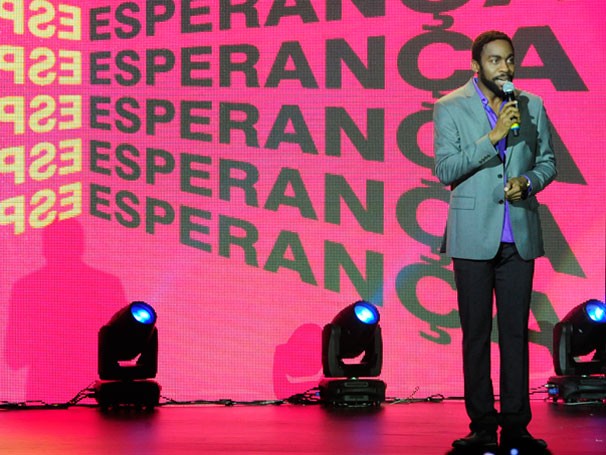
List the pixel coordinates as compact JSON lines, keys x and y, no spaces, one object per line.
{"x":544,"y":170}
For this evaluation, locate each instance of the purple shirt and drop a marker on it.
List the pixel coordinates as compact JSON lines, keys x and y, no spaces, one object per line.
{"x":501,"y":146}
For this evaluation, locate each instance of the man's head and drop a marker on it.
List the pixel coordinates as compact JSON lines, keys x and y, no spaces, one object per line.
{"x":492,"y":57}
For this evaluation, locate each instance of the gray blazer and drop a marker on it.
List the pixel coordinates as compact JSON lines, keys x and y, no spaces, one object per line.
{"x":466,"y":160}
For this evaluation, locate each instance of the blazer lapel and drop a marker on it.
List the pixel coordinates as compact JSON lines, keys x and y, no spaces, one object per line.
{"x":476,"y":107}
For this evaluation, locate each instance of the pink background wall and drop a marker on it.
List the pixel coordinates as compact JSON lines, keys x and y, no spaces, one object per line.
{"x":245,"y":322}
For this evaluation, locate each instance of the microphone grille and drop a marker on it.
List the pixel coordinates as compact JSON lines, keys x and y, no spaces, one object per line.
{"x":508,"y":87}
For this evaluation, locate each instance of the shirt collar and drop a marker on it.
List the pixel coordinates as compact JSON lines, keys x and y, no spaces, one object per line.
{"x":480,"y":92}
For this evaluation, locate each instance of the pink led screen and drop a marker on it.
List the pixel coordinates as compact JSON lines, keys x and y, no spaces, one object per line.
{"x":249,"y":168}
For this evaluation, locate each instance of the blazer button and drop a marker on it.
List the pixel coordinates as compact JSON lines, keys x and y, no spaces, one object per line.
{"x":500,"y":176}
{"x":501,"y":201}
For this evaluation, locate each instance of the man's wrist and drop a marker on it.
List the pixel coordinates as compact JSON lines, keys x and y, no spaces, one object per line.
{"x":495,"y":137}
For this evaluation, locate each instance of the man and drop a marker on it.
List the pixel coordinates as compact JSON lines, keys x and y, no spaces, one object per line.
{"x":493,"y":233}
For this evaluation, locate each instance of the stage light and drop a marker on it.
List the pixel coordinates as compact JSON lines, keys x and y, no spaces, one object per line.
{"x":582,"y":332}
{"x":128,"y":358}
{"x":352,"y":348}
{"x":354,"y":331}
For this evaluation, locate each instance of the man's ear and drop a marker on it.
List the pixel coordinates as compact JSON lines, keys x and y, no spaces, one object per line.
{"x":475,"y":66}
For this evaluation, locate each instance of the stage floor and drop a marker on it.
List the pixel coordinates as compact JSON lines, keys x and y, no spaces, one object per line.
{"x":413,"y":428}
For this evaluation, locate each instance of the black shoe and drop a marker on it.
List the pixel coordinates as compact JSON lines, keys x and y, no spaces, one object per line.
{"x":481,"y":439}
{"x":523,"y":441}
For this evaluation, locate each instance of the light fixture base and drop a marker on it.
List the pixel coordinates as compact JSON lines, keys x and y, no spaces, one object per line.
{"x":577,"y":389}
{"x":352,"y":392}
{"x":139,"y":394}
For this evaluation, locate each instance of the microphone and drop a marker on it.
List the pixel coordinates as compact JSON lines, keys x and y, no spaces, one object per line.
{"x":510,"y":95}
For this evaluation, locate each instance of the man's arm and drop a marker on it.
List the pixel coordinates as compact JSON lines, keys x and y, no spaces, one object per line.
{"x":455,"y":159}
{"x":544,"y":170}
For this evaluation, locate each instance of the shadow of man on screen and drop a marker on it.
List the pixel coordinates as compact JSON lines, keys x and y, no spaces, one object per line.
{"x":55,"y":314}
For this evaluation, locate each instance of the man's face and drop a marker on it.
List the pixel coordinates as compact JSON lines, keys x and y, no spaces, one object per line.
{"x":497,"y":66}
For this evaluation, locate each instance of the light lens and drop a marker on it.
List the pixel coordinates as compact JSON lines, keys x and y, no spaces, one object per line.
{"x":596,"y":311}
{"x":143,"y":313}
{"x":366,"y":313}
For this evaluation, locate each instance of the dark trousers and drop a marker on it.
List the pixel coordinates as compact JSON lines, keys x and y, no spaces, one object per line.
{"x":509,"y":277}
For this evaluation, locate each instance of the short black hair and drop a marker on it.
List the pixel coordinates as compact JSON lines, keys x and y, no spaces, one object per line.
{"x":483,"y":39}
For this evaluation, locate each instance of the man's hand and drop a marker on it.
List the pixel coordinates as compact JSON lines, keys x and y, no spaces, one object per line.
{"x":507,"y":117}
{"x":516,"y":188}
